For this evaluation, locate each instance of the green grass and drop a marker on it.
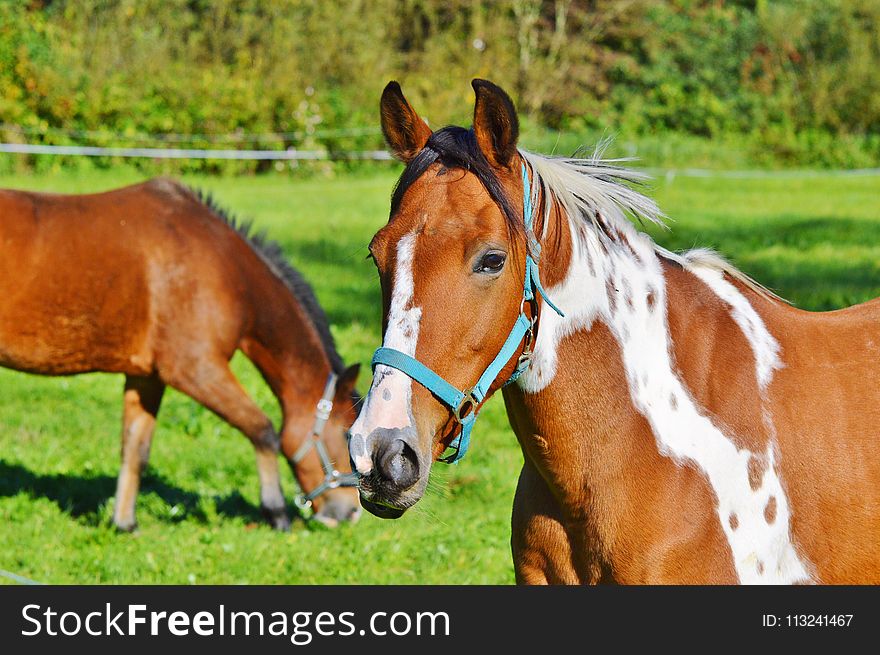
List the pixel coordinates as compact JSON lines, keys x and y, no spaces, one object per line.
{"x":815,"y":240}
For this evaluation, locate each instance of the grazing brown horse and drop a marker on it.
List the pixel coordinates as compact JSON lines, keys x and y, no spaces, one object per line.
{"x":155,"y":282}
{"x":679,"y":423}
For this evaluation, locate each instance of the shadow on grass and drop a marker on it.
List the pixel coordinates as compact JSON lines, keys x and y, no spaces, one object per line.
{"x":83,"y":496}
{"x":819,"y":284}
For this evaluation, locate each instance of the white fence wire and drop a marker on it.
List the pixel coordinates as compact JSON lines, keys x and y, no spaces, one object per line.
{"x":191,"y":153}
{"x":238,"y":136}
{"x":294,"y":154}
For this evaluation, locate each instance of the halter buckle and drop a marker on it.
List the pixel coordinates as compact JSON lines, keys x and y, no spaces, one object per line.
{"x":466,"y":405}
{"x":333,"y":479}
{"x":528,"y":342}
{"x":324,"y":408}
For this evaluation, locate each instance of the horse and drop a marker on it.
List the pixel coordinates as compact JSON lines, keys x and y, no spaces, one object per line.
{"x":679,"y":423}
{"x":157,"y":282}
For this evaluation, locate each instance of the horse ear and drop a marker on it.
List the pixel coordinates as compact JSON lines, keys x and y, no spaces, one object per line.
{"x":405,"y":131}
{"x":346,"y":382}
{"x":496,"y":125}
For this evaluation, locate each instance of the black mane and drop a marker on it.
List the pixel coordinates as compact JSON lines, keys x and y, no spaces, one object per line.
{"x":272,"y":255}
{"x":456,"y":147}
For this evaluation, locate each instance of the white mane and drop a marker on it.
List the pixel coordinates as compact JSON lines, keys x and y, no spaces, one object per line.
{"x":600,"y":190}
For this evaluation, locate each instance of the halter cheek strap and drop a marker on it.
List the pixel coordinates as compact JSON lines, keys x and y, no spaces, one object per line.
{"x":464,"y":404}
{"x":332,"y":477}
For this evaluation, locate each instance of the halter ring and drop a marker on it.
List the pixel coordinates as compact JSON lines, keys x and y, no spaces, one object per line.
{"x":324,"y":408}
{"x":465,"y":406}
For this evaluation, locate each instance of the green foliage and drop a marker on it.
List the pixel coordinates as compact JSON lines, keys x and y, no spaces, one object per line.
{"x":687,"y":76}
{"x":797,"y":81}
{"x":813,"y":239}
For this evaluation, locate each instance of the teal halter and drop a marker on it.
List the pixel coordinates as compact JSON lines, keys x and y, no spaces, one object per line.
{"x":464,"y":404}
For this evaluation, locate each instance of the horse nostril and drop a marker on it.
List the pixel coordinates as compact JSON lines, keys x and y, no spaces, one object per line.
{"x":399,"y":464}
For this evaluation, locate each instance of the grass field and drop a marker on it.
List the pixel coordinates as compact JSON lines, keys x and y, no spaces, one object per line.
{"x":815,"y":240}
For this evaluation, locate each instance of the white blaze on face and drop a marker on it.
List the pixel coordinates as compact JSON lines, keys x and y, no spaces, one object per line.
{"x":615,"y":288}
{"x":388,"y":403}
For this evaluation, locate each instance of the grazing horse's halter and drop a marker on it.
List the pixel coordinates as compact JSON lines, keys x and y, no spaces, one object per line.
{"x":464,"y":404}
{"x":332,"y":477}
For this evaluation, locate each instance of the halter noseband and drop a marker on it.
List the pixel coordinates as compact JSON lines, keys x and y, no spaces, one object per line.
{"x":464,"y":404}
{"x":332,"y":477}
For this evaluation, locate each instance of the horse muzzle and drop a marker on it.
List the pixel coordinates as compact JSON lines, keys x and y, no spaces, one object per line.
{"x":390,"y":470}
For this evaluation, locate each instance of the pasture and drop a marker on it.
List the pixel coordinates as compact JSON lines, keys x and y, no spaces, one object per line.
{"x":815,"y":239}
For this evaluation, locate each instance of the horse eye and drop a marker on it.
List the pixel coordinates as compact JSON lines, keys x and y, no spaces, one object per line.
{"x":491,"y":262}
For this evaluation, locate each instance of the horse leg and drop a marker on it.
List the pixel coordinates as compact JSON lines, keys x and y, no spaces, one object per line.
{"x":142,"y":398}
{"x":215,"y":387}
{"x":541,"y":548}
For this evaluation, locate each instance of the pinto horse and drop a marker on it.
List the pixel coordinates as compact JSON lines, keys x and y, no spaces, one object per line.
{"x":156,"y":282}
{"x":679,"y":423}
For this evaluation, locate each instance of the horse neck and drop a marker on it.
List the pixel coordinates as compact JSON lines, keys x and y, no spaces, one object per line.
{"x":617,"y":389}
{"x":598,"y":279}
{"x":286,"y":348}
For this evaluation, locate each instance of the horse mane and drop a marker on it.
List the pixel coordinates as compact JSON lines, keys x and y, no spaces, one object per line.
{"x":606,"y":195}
{"x":271,"y":253}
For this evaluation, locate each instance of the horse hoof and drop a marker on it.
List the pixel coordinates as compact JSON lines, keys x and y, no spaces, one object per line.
{"x":282,"y":524}
{"x":126,"y":526}
{"x":277,"y":518}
